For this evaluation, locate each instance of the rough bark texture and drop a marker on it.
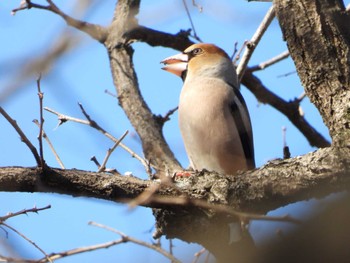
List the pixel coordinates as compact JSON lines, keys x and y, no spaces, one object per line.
{"x":155,"y":148}
{"x":275,"y":184}
{"x":318,"y":37}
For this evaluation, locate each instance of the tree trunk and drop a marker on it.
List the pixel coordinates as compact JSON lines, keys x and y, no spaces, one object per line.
{"x":318,"y":37}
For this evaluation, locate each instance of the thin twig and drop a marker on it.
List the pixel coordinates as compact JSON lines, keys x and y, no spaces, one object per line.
{"x":58,"y":159}
{"x":166,"y":117}
{"x":301,"y":97}
{"x":195,"y":4}
{"x":169,"y":113}
{"x":254,"y":42}
{"x":284,"y":133}
{"x":41,"y":122}
{"x":286,"y":152}
{"x":110,"y":151}
{"x":28,"y":240}
{"x":287,"y":74}
{"x":236,"y":56}
{"x":63,"y":118}
{"x":22,"y":135}
{"x":171,"y":246}
{"x":147,"y":195}
{"x":23,"y":212}
{"x":94,"y":159}
{"x":80,"y":250}
{"x":192,"y":24}
{"x":235,"y":50}
{"x":126,"y":238}
{"x":270,"y":62}
{"x":111,"y":94}
{"x":71,"y":252}
{"x":198,"y":254}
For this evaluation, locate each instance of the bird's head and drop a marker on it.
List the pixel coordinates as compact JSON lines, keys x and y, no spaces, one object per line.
{"x":202,"y":60}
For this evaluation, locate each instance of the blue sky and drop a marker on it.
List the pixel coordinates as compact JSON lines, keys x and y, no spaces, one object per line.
{"x":82,"y":75}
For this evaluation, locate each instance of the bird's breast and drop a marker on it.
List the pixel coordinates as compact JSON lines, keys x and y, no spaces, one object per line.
{"x":207,"y":127}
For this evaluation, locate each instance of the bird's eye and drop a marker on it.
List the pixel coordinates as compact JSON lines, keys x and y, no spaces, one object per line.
{"x":196,"y":51}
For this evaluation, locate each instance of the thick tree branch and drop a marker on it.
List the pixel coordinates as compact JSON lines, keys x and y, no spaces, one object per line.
{"x":179,"y":41}
{"x":276,"y":184}
{"x":155,"y":148}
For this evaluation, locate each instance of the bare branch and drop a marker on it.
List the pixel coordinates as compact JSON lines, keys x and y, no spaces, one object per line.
{"x":289,"y":109}
{"x":301,"y":178}
{"x":270,"y":62}
{"x":166,"y":117}
{"x":53,"y":256}
{"x":254,"y":42}
{"x":41,"y":122}
{"x":110,"y":151}
{"x":28,"y":240}
{"x":195,"y":4}
{"x":198,"y":254}
{"x":22,"y":135}
{"x":23,"y":212}
{"x":236,"y":56}
{"x":63,"y":118}
{"x":138,"y":242}
{"x":58,"y":159}
{"x":190,"y":18}
{"x":287,"y":74}
{"x":94,"y":159}
{"x":179,"y":41}
{"x":286,"y":152}
{"x":95,"y":31}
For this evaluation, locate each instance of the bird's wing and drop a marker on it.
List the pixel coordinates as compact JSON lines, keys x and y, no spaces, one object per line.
{"x":241,"y":117}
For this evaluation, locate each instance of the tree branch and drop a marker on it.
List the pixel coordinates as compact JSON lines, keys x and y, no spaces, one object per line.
{"x":251,"y":45}
{"x":320,"y":50}
{"x":179,"y":41}
{"x":95,"y":31}
{"x":130,"y":99}
{"x":22,"y":135}
{"x":289,"y":109}
{"x":276,"y":184}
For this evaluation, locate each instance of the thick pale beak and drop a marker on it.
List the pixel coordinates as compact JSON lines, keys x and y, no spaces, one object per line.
{"x":176,"y":64}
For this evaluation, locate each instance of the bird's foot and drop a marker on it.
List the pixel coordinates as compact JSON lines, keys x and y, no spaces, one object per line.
{"x":182,"y":174}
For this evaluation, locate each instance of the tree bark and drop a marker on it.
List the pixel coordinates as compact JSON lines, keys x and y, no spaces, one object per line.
{"x":120,"y":53}
{"x":273,"y":185}
{"x":318,"y":36}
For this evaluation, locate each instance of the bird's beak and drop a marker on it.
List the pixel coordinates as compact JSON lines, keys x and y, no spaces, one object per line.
{"x":176,"y":64}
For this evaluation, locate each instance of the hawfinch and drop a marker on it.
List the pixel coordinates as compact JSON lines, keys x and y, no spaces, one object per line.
{"x":213,"y":117}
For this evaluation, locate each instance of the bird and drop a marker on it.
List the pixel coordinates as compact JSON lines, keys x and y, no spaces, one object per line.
{"x":213,"y":117}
